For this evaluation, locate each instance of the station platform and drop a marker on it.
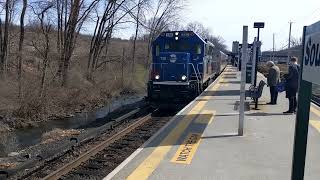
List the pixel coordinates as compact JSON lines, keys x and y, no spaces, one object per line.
{"x":201,"y":141}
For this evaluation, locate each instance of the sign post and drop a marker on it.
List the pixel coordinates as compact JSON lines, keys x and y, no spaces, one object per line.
{"x":257,"y":25}
{"x":253,"y":70}
{"x":244,"y":59}
{"x":310,"y":68}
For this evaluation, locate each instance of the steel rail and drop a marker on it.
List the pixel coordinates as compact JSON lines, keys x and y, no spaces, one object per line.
{"x":315,"y":99}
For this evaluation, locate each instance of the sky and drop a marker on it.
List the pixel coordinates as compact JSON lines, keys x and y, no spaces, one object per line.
{"x":227,"y":17}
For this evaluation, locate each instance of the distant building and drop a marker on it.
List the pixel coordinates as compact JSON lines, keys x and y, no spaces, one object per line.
{"x":281,"y":56}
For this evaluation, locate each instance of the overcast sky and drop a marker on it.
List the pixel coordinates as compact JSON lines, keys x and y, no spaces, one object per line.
{"x":226,"y":18}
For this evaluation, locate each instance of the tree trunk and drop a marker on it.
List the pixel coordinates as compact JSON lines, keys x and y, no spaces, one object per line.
{"x":135,"y":40}
{"x":23,"y":12}
{"x":100,"y":38}
{"x":122,"y":68}
{"x":69,"y":40}
{"x":4,"y":48}
{"x":149,"y":50}
{"x":45,"y":65}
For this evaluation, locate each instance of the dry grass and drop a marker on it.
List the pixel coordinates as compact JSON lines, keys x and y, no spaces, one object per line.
{"x":58,"y":134}
{"x":262,"y":68}
{"x":7,"y":165}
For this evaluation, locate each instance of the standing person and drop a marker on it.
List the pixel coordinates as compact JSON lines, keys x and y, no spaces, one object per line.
{"x":273,"y":79}
{"x":292,"y":84}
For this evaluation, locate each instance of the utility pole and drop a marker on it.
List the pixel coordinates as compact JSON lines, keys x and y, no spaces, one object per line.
{"x":273,"y":48}
{"x":289,"y":44}
{"x":290,"y":34}
{"x":254,"y":62}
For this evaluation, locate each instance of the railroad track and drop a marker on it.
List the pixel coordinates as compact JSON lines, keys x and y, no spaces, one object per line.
{"x":106,"y":153}
{"x":95,"y":150}
{"x":315,"y":99}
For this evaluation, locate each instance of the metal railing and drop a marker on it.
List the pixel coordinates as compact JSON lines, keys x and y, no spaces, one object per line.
{"x":198,"y":79}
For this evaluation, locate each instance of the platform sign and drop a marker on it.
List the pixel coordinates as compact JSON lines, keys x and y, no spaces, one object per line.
{"x":310,"y":74}
{"x":258,"y":25}
{"x":311,"y":59}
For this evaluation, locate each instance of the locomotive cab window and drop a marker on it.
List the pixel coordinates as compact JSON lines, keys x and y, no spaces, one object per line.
{"x":207,"y":49}
{"x":210,"y":50}
{"x":166,"y":46}
{"x":157,"y":50}
{"x":197,"y":49}
{"x":179,"y":46}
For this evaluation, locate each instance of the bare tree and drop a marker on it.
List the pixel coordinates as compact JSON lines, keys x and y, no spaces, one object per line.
{"x":12,"y":9}
{"x":165,"y":14}
{"x":296,"y":41}
{"x":71,"y":16}
{"x":135,"y":37}
{"x":138,"y":22}
{"x":4,"y":40}
{"x":23,"y":12}
{"x":42,"y":43}
{"x":199,"y":29}
{"x":206,"y":34}
{"x":112,"y":15}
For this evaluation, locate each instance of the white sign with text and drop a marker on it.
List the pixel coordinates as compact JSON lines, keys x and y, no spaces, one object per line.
{"x":311,"y":59}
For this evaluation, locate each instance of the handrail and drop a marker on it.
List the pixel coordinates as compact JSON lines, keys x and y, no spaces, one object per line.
{"x":202,"y":74}
{"x":196,"y":76}
{"x":194,"y":71}
{"x":198,"y":67}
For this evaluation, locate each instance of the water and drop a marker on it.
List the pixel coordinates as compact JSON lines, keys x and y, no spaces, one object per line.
{"x":22,"y":138}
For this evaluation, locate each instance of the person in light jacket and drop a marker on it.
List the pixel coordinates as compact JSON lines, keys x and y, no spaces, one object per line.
{"x":273,"y":79}
{"x":292,"y":84}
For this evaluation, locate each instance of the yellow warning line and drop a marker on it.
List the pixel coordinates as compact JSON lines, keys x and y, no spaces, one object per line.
{"x":186,"y":151}
{"x":216,"y":87}
{"x":315,"y":110}
{"x":315,"y":124}
{"x":206,"y":117}
{"x":213,"y":88}
{"x":145,"y":169}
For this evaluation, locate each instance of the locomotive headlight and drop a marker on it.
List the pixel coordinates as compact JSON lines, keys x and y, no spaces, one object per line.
{"x":184,"y":78}
{"x":157,"y":77}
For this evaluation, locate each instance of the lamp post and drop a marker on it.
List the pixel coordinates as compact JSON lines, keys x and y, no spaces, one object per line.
{"x":257,"y":25}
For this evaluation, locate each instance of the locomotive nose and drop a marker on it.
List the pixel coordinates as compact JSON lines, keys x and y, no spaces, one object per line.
{"x":175,"y":66}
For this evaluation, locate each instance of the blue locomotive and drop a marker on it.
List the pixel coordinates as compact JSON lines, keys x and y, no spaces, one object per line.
{"x":183,"y":65}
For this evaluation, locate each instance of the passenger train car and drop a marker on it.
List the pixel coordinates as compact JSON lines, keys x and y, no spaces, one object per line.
{"x":183,"y":65}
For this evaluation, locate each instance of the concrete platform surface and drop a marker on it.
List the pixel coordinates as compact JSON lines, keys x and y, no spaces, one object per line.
{"x":201,"y":141}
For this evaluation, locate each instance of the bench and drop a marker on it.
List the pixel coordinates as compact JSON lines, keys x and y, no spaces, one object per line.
{"x":256,"y":92}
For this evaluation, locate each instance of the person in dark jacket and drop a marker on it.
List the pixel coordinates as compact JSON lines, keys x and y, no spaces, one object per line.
{"x":273,"y":79}
{"x":292,"y":84}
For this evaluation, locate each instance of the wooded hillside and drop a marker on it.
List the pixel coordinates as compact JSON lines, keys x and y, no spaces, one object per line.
{"x":62,"y":56}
